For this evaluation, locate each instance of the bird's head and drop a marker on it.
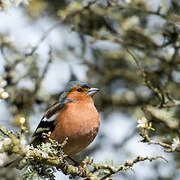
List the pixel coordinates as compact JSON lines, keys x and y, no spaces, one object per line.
{"x":77,"y":90}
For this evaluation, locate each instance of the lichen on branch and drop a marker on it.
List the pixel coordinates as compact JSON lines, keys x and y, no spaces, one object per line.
{"x":49,"y":157}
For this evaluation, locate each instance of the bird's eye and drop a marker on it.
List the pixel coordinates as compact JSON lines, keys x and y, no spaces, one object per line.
{"x":79,"y":90}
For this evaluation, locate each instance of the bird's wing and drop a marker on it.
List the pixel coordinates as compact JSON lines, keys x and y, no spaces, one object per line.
{"x":47,"y":123}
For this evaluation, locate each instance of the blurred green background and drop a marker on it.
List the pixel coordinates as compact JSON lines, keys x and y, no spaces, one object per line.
{"x":45,"y":44}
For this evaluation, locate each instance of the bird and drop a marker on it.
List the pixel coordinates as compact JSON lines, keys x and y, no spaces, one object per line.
{"x":74,"y":117}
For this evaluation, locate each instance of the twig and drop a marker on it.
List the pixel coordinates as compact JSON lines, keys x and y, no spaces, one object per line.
{"x":146,"y":139}
{"x":44,"y":36}
{"x":137,"y":63}
{"x":64,"y":20}
{"x":156,"y":90}
{"x":138,"y":10}
{"x":3,"y":54}
{"x":4,"y":131}
{"x":174,"y":103}
{"x":125,"y":166}
{"x":39,"y":79}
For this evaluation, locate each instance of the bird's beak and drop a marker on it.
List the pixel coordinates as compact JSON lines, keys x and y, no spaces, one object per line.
{"x":92,"y":91}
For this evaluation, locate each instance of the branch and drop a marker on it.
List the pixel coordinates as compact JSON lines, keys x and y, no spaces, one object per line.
{"x":67,"y":16}
{"x":147,"y":82}
{"x":167,"y":117}
{"x":138,"y":10}
{"x":168,"y":147}
{"x":162,"y":95}
{"x":109,"y":170}
{"x":40,"y":78}
{"x":50,"y":155}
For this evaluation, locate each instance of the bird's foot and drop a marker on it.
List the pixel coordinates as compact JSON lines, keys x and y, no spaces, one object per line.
{"x":81,"y":170}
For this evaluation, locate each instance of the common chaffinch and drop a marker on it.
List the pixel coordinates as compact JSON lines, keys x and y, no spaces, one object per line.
{"x":74,"y":116}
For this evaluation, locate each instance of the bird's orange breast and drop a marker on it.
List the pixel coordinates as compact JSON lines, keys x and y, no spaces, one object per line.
{"x":79,"y":121}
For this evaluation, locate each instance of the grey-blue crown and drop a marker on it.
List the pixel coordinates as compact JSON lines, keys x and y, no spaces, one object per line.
{"x":72,"y":84}
{"x":69,"y":86}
